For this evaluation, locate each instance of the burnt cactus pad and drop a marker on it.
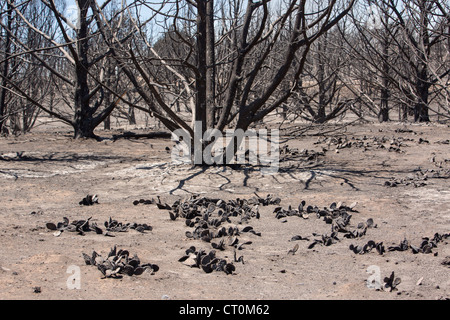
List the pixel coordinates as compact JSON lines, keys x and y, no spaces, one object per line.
{"x":208,"y":262}
{"x":89,"y":200}
{"x":83,"y":226}
{"x":118,"y":263}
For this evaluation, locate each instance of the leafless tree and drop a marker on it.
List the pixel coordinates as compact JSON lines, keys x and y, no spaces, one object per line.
{"x":227,"y":63}
{"x":21,"y":68}
{"x":323,"y":95}
{"x":402,"y":53}
{"x":77,"y":65}
{"x":6,"y":10}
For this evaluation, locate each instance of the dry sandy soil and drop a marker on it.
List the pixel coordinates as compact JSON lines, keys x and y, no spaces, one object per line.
{"x":43,"y":177}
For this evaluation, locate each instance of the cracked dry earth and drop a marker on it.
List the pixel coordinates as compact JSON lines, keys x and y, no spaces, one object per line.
{"x":44,"y":176}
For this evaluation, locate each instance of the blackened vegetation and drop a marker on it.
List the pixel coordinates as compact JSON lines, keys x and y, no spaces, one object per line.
{"x":392,"y":144}
{"x":361,"y":249}
{"x":294,"y":154}
{"x":78,"y":226}
{"x":426,"y":245}
{"x":446,"y":261}
{"x":391,"y":282}
{"x":208,"y":262}
{"x":118,"y":263}
{"x":222,"y":223}
{"x":419,"y":177}
{"x":207,"y":218}
{"x":89,"y":200}
{"x":83,"y":226}
{"x":116,"y":226}
{"x":339,"y":216}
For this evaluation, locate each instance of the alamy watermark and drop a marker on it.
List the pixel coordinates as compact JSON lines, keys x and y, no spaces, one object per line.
{"x":74,"y":280}
{"x":254,"y":147}
{"x":374,"y":280}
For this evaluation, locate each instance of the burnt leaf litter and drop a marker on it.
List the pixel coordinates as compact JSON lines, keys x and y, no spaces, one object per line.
{"x":118,"y":263}
{"x":207,"y":261}
{"x":206,"y":218}
{"x":82,"y":226}
{"x":391,"y":282}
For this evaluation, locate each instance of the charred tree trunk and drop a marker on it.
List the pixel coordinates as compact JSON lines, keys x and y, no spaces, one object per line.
{"x":402,"y":112}
{"x":323,"y":86}
{"x":211,"y":66}
{"x":201,"y":76}
{"x":205,"y":78}
{"x":5,"y":68}
{"x":83,"y":114}
{"x":422,"y":81}
{"x":421,"y":107}
{"x":383,"y":114}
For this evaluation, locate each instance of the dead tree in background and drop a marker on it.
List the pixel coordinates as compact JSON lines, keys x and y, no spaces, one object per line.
{"x":372,"y":55}
{"x":6,"y":44}
{"x":227,"y":90}
{"x":80,"y":67}
{"x":20,"y":68}
{"x":321,"y":96}
{"x":404,"y":49}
